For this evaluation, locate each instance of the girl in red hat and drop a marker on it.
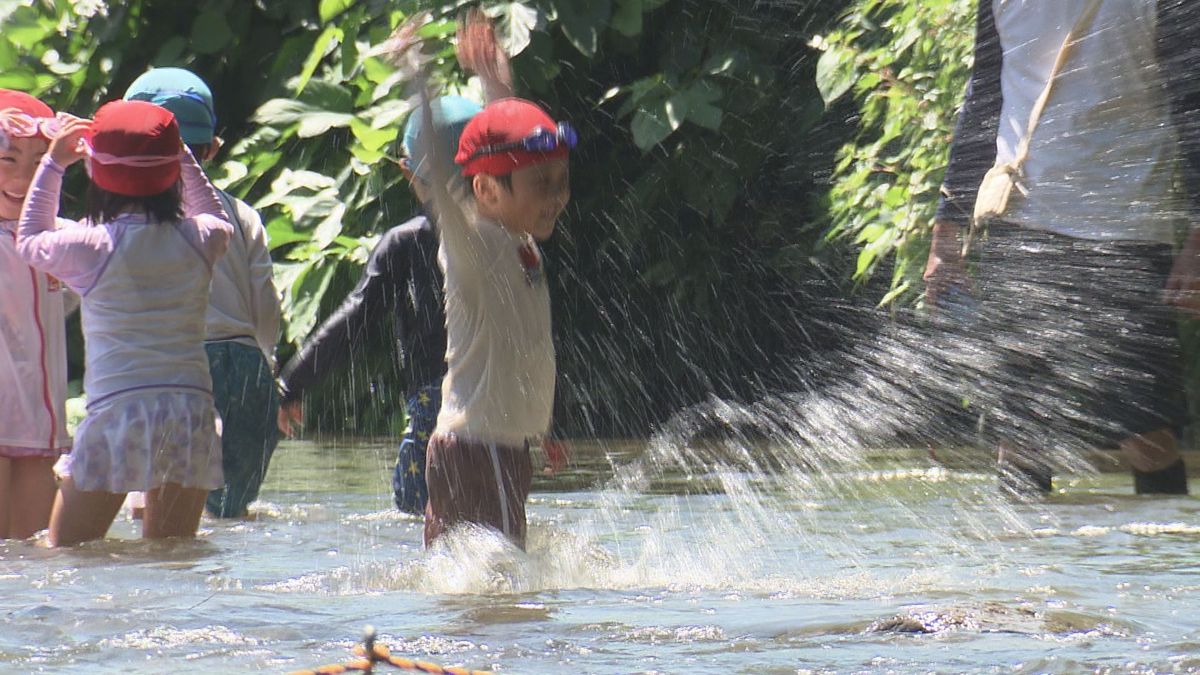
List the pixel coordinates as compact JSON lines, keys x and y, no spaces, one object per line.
{"x":143,"y":272}
{"x":33,"y":355}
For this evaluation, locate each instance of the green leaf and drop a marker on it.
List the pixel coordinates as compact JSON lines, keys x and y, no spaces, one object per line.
{"x":317,"y":123}
{"x":25,"y":31}
{"x":728,"y":62}
{"x":281,"y":233}
{"x":515,"y":23}
{"x":700,"y":109}
{"x":324,"y":44}
{"x":835,"y":73}
{"x":706,"y":115}
{"x":627,"y":19}
{"x":312,"y":121}
{"x":676,"y":108}
{"x":639,"y":90}
{"x":582,"y":21}
{"x":372,"y":139}
{"x":650,"y":126}
{"x":305,"y":294}
{"x":329,"y":228}
{"x":330,"y":9}
{"x":171,"y":52}
{"x":21,"y":80}
{"x":210,"y":32}
{"x":366,"y":158}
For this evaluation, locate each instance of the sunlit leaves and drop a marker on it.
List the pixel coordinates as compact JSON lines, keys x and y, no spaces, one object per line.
{"x":325,"y":43}
{"x":905,"y":64}
{"x":835,"y":73}
{"x":329,"y":10}
{"x":515,"y":23}
{"x":310,"y":121}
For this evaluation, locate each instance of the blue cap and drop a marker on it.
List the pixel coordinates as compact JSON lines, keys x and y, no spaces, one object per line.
{"x":450,"y":117}
{"x":184,"y":94}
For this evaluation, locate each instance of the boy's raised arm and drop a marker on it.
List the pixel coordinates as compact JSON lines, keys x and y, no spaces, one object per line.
{"x":479,"y":53}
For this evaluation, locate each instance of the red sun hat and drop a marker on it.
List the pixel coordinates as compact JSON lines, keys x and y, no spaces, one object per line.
{"x":25,"y":103}
{"x":504,"y":122}
{"x":135,"y":148}
{"x":29,"y":105}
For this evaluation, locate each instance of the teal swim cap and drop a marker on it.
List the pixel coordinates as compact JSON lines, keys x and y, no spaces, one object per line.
{"x":450,"y":117}
{"x":184,"y":94}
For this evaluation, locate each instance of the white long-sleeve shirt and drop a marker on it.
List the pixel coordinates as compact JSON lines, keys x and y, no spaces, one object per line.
{"x":500,"y":375}
{"x":33,"y":353}
{"x":243,"y":304}
{"x":1103,"y":159}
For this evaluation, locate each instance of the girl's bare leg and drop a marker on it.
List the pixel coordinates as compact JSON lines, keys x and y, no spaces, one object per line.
{"x":6,"y":496}
{"x":33,"y":489}
{"x":173,"y":511}
{"x":80,"y":516}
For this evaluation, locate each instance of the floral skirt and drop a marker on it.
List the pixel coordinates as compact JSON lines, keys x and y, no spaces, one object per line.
{"x":143,"y":440}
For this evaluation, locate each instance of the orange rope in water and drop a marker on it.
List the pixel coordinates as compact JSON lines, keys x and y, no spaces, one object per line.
{"x":380,"y":654}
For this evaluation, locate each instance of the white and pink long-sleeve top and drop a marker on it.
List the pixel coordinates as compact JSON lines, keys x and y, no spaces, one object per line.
{"x":144,"y":285}
{"x":33,"y":356}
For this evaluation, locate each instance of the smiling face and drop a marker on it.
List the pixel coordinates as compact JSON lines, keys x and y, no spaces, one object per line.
{"x":18,"y":160}
{"x":538,"y":196}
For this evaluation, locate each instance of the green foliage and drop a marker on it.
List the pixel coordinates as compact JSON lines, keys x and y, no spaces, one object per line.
{"x":695,"y":197}
{"x":905,"y":64}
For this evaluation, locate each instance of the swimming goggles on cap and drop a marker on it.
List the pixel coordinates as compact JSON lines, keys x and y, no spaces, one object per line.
{"x":23,"y":125}
{"x":137,"y":161}
{"x":541,"y":140}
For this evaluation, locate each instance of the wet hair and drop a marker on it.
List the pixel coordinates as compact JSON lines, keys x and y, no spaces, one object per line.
{"x":103,"y":206}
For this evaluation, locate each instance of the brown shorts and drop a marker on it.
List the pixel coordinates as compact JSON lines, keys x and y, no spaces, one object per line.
{"x":471,"y":482}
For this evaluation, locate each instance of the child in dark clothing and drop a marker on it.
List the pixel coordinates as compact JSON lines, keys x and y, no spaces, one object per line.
{"x":402,"y":280}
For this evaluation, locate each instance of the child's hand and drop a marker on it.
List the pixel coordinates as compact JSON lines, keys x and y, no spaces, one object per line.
{"x":558,"y":455}
{"x":67,"y":147}
{"x":403,"y":47}
{"x":290,"y":418}
{"x":479,"y":53}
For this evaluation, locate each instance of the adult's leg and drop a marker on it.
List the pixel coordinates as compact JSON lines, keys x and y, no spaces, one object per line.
{"x":1157,"y":466}
{"x":33,"y":490}
{"x":80,"y":516}
{"x":173,"y":511}
{"x":1012,"y":355}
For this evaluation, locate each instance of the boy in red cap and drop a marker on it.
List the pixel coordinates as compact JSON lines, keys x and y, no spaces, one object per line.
{"x":499,"y":386}
{"x":33,"y":355}
{"x":143,"y":272}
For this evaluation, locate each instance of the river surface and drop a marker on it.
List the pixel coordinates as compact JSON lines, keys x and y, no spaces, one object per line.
{"x":902,"y":566}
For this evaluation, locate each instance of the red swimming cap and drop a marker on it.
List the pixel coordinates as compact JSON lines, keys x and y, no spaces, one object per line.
{"x":508,"y":120}
{"x":135,"y":147}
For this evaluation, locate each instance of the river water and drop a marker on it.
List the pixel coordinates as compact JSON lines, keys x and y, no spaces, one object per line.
{"x":900,"y":565}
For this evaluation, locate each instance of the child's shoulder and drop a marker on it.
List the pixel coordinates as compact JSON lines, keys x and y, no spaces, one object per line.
{"x":208,"y":226}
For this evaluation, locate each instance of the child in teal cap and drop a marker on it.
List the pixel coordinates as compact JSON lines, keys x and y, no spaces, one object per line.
{"x":401,"y":281}
{"x":243,"y":311}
